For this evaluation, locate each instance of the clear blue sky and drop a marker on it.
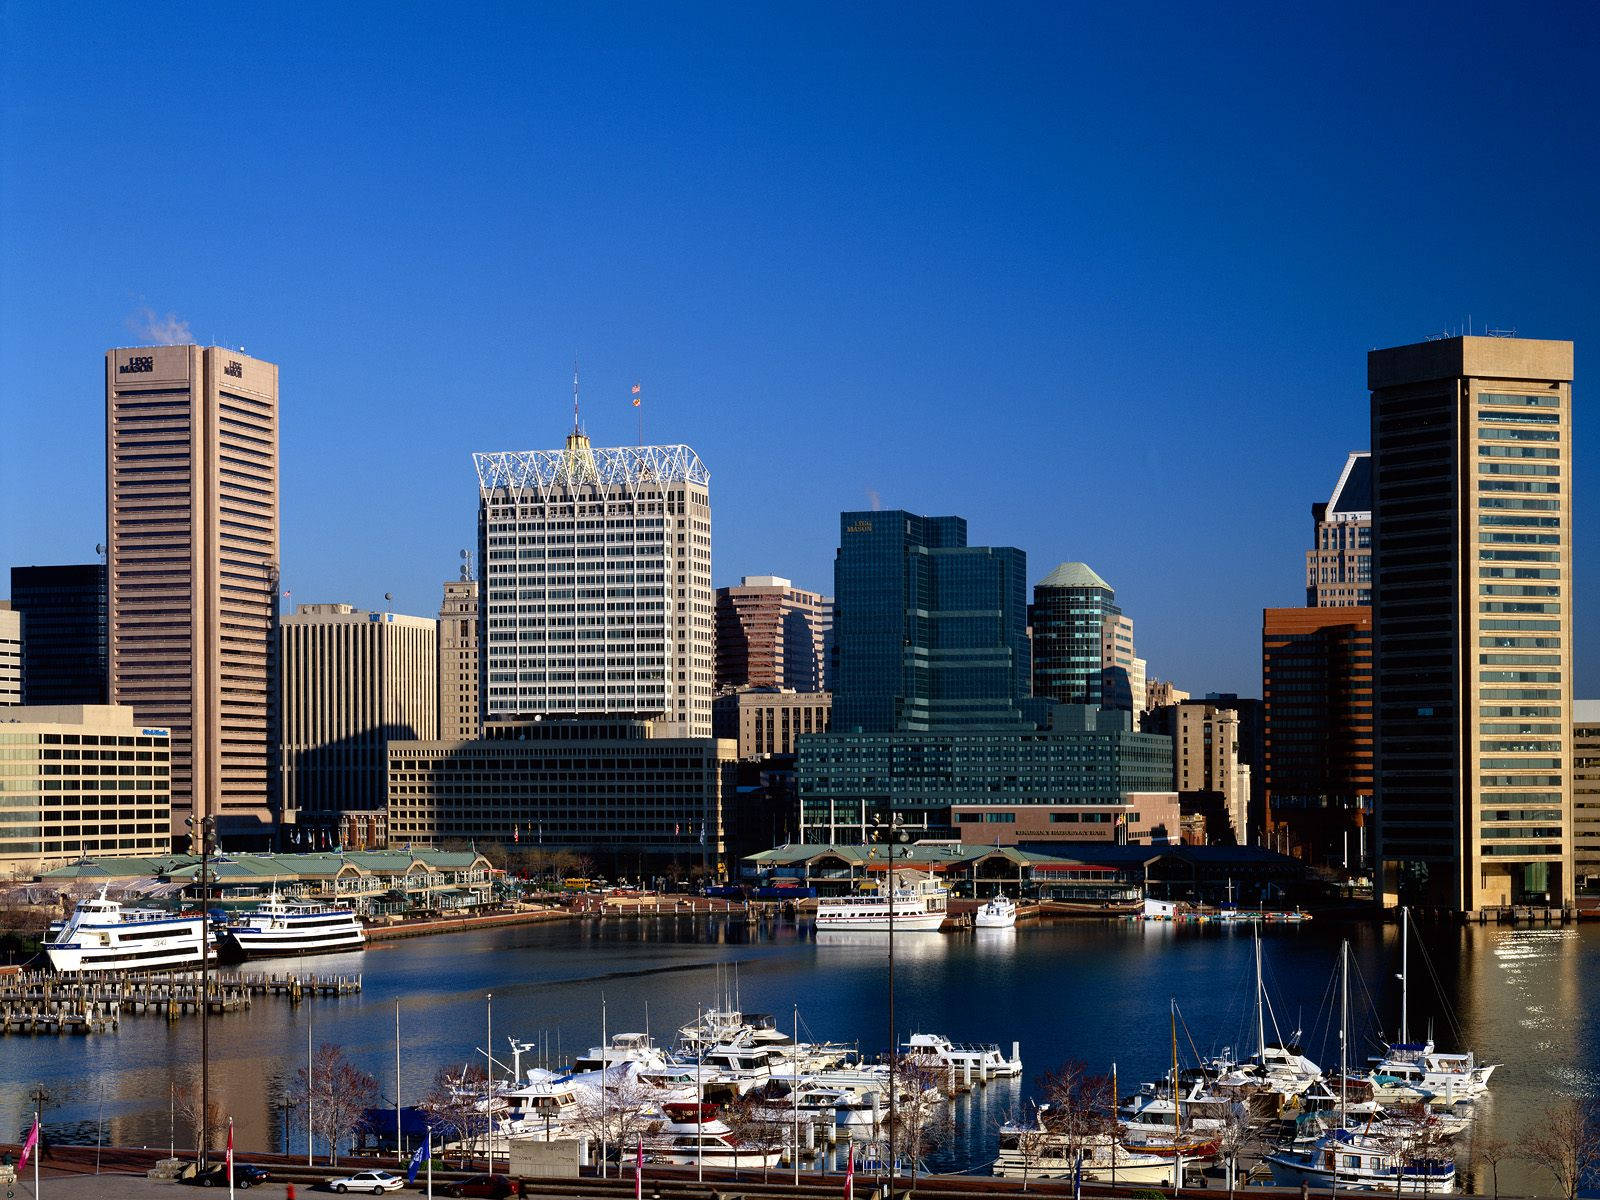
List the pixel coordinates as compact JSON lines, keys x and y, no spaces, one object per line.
{"x":1101,"y":279}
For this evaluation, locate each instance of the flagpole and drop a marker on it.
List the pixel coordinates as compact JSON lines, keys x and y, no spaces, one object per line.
{"x":429,"y":1136}
{"x":230,"y":1158}
{"x":399,"y":1137}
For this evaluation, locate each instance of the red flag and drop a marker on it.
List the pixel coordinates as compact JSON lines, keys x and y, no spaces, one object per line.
{"x":27,"y":1146}
{"x":850,"y":1174}
{"x":636,"y":395}
{"x":638,"y":1172}
{"x":230,"y":1151}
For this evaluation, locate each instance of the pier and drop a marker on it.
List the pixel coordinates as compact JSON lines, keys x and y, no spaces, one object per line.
{"x":44,"y":1002}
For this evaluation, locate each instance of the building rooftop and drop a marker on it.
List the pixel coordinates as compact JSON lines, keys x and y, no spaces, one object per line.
{"x":1352,"y":495}
{"x":519,"y":471}
{"x":1073,"y":575}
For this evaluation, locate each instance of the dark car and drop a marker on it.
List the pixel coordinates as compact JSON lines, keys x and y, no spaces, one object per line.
{"x":216,"y":1175}
{"x":496,"y":1186}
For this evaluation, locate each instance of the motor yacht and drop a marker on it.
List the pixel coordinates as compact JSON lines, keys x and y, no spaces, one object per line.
{"x":997,"y":913}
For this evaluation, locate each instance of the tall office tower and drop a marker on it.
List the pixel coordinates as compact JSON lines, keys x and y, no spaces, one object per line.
{"x":192,"y":572}
{"x":769,"y":635}
{"x":64,"y":632}
{"x":10,"y":654}
{"x":1472,"y":621}
{"x":1211,"y":768}
{"x":1339,"y":564}
{"x":931,"y":633}
{"x":1122,"y":672}
{"x":458,"y":662}
{"x":1071,"y":609}
{"x":825,"y":622}
{"x":1316,"y":678}
{"x":1586,"y":792}
{"x":595,"y":592}
{"x":353,"y":682}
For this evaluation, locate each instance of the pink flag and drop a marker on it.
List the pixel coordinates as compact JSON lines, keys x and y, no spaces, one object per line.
{"x":27,"y":1146}
{"x":230,"y":1151}
{"x":850,"y":1174}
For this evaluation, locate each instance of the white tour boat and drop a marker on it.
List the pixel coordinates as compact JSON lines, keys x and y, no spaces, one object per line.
{"x":102,"y":935}
{"x":998,"y":913}
{"x":914,"y":907}
{"x":279,"y":928}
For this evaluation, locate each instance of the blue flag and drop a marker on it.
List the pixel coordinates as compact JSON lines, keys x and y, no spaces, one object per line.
{"x":417,"y":1159}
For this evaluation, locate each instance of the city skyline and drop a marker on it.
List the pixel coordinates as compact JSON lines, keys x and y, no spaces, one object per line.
{"x":956,"y":295}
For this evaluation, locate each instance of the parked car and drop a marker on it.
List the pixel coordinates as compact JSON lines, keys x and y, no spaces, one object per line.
{"x":216,"y":1175}
{"x":376,"y":1182}
{"x":498,"y":1187}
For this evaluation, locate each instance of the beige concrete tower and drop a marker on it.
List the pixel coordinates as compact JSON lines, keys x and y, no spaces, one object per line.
{"x":192,"y":534}
{"x":458,"y":662}
{"x":1472,"y":621}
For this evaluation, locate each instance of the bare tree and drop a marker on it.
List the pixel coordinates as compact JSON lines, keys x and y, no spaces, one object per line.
{"x":339,"y":1093}
{"x":1490,"y":1152}
{"x":616,"y":1112}
{"x":921,"y":1123}
{"x":1416,"y":1143}
{"x":455,"y":1101}
{"x":186,"y":1099}
{"x":1567,"y":1143}
{"x":760,"y":1125}
{"x":1234,"y":1138}
{"x":1031,"y":1138}
{"x":1078,"y":1108}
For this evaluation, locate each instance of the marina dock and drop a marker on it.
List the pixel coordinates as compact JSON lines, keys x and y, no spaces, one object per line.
{"x":44,"y":1002}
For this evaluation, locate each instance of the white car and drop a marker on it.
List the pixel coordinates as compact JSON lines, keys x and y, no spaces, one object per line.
{"x":376,"y":1182}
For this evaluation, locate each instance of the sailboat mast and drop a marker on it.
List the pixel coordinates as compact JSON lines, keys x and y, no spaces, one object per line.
{"x":1405,"y":975}
{"x":1344,"y":1023}
{"x":1177,"y":1109}
{"x":1261,"y":1021}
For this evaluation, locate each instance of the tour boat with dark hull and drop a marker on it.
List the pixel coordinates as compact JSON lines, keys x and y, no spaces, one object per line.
{"x":279,"y":928}
{"x":102,"y":935}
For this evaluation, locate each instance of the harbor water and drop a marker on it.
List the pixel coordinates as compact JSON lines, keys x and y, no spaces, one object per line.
{"x":1090,"y":991}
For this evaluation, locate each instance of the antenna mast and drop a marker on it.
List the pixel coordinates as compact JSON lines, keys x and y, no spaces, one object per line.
{"x":575,"y":425}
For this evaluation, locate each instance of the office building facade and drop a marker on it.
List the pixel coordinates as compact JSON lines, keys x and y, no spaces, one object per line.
{"x":80,"y":780}
{"x":353,"y":681}
{"x":636,"y":802}
{"x":1084,"y":760}
{"x":1586,"y":793}
{"x":769,"y":635}
{"x":1213,"y":773}
{"x":1472,"y":621}
{"x":64,"y":632}
{"x":1074,"y":618}
{"x":10,"y":655}
{"x":192,"y":571}
{"x":930,"y":633}
{"x":763,"y":722}
{"x":1339,"y":564}
{"x":595,"y":589}
{"x":1316,"y":672}
{"x":458,"y":661}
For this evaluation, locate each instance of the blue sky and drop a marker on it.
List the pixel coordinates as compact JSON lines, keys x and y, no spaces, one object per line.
{"x":1102,"y":280}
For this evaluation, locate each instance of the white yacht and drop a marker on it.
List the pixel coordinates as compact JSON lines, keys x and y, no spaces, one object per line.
{"x":278,"y":928}
{"x":686,"y":1137}
{"x":1444,"y":1078}
{"x":1033,"y":1152}
{"x":1344,"y":1158}
{"x":914,"y":907}
{"x":102,"y":935}
{"x":998,"y":913}
{"x":624,"y":1048}
{"x":984,"y":1060}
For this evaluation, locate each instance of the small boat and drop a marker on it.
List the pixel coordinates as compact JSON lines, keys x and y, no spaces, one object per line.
{"x":102,"y":935}
{"x":913,"y":908}
{"x":1039,"y":1153}
{"x":998,"y":913}
{"x":1344,"y":1158}
{"x":279,"y":928}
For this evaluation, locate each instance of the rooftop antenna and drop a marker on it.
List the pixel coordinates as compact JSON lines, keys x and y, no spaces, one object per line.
{"x":466,"y":566}
{"x":575,"y":426}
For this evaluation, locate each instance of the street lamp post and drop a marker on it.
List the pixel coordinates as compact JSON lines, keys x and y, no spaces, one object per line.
{"x":891,"y":835}
{"x":204,"y":831}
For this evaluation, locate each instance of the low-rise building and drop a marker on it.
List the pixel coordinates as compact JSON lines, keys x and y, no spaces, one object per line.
{"x":79,"y":779}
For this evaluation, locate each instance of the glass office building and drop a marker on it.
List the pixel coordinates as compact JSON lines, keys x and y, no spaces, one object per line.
{"x":1071,"y":607}
{"x":63,"y":632}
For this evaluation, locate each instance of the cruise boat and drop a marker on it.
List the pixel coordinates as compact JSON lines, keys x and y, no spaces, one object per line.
{"x":279,"y":928}
{"x":102,"y":935}
{"x":1344,"y":1158}
{"x":998,"y":913}
{"x":914,"y":907}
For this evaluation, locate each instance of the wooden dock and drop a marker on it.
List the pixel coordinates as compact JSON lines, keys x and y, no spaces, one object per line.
{"x":44,"y":1002}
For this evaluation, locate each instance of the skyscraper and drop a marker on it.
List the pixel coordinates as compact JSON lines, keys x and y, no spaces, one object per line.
{"x":64,"y":623}
{"x":1472,"y":620}
{"x":1339,"y":564}
{"x":1071,"y":612}
{"x":596,"y":584}
{"x":458,"y":661}
{"x":769,"y":635}
{"x":353,"y":682}
{"x":931,"y":633}
{"x":192,"y":570}
{"x":10,"y":655}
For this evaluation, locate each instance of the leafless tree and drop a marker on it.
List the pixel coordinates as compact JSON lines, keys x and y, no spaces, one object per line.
{"x":1416,"y":1142}
{"x":1078,"y":1108}
{"x":1490,"y":1152}
{"x":339,"y":1093}
{"x":759,"y":1125}
{"x":186,"y":1099}
{"x":1567,"y":1143}
{"x":921,"y":1123}
{"x":455,"y":1101}
{"x":616,"y":1113}
{"x":1032,"y":1139}
{"x":1234,"y":1138}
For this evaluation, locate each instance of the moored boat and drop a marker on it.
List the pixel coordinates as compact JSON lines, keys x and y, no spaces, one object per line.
{"x":912,"y":908}
{"x":998,"y":913}
{"x":279,"y":928}
{"x":102,"y":935}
